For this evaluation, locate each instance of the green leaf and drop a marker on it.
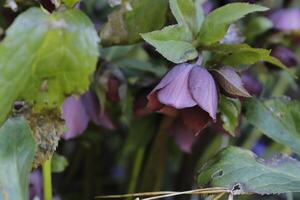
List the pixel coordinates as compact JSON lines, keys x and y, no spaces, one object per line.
{"x":188,"y":13}
{"x":132,"y":18}
{"x":17,"y":149}
{"x":278,"y":119}
{"x":230,"y":110}
{"x":173,"y":42}
{"x":242,"y":172}
{"x":45,"y":57}
{"x":58,"y":163}
{"x":216,"y":23}
{"x":236,"y":55}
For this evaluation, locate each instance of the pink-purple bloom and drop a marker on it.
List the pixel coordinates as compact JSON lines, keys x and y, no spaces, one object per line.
{"x":286,"y":19}
{"x":188,"y":92}
{"x":186,"y":86}
{"x":78,"y":112}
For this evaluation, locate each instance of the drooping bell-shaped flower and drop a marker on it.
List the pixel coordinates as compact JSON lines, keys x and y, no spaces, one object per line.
{"x":185,"y":86}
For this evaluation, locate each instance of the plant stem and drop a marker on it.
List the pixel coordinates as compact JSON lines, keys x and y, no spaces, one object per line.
{"x":136,"y":169}
{"x":47,"y":179}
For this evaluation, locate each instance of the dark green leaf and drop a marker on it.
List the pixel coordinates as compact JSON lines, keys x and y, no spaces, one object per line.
{"x":278,"y":119}
{"x":132,"y":18}
{"x":45,"y":57}
{"x":216,"y":23}
{"x":229,"y":110}
{"x":58,"y":163}
{"x":17,"y":149}
{"x":188,"y":13}
{"x":173,"y":42}
{"x":242,"y":172}
{"x":236,"y":55}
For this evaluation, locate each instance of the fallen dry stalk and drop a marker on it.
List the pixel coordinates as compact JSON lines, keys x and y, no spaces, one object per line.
{"x":163,"y":194}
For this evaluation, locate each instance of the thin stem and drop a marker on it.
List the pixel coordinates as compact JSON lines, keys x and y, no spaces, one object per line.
{"x":47,"y":179}
{"x":162,"y":194}
{"x":136,"y":169}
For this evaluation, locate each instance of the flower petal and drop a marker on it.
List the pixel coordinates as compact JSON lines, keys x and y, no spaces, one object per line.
{"x":184,"y":136}
{"x":169,"y":111}
{"x":286,"y":19}
{"x":177,"y":93}
{"x":194,"y":118}
{"x":153,"y":102}
{"x":35,"y":185}
{"x":91,"y":106}
{"x":285,"y":55}
{"x":162,"y":94}
{"x":75,"y":116}
{"x":204,"y":90}
{"x":231,"y":82}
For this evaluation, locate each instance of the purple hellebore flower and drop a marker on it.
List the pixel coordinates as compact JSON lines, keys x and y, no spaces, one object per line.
{"x":285,"y":55}
{"x":286,"y":19}
{"x":77,"y":112}
{"x":35,"y":185}
{"x":185,"y":86}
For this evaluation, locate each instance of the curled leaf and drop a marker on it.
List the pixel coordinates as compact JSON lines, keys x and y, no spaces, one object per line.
{"x":231,"y":82}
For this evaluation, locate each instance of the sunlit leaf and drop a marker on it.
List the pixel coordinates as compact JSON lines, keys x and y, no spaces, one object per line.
{"x":45,"y":57}
{"x":173,"y":42}
{"x":188,"y":13}
{"x":216,"y":23}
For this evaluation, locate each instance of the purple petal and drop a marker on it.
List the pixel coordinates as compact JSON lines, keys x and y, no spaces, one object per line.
{"x":105,"y":121}
{"x":171,"y":85}
{"x":91,"y":106}
{"x":251,"y":84}
{"x":204,"y":90}
{"x":231,"y":82}
{"x":35,"y":185}
{"x":184,"y":136}
{"x":286,"y":56}
{"x":195,"y":118}
{"x":286,"y":19}
{"x":75,"y":116}
{"x":176,"y":91}
{"x":207,"y":6}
